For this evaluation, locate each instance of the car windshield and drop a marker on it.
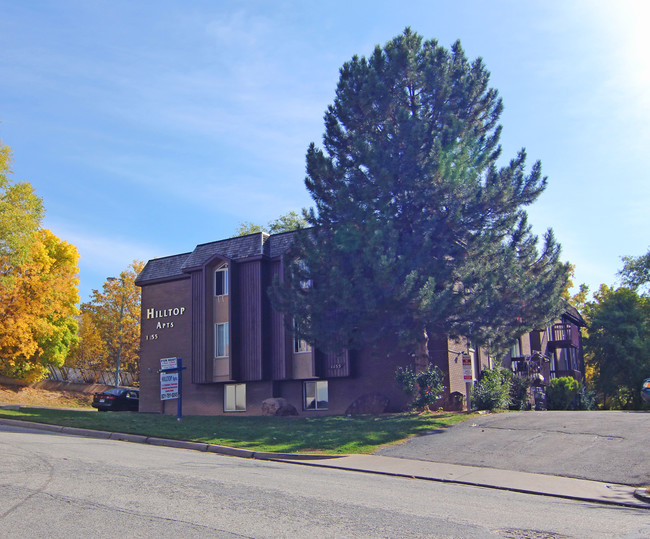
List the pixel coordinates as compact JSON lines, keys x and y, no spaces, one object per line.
{"x":116,"y":392}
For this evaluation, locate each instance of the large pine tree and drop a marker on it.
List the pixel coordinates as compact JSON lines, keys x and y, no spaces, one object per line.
{"x":416,"y":229}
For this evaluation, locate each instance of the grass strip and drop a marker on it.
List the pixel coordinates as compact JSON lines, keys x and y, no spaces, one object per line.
{"x":327,"y":434}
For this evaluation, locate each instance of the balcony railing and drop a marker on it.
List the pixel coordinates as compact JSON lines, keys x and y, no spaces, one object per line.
{"x":570,"y":373}
{"x":532,"y":367}
{"x":563,"y":336}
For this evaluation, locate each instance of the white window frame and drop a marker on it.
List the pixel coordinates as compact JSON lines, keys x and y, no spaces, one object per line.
{"x":221,"y":277}
{"x":226,"y":340}
{"x":515,"y":349}
{"x":234,"y":397}
{"x":300,"y":346}
{"x":306,"y":283}
{"x":319,"y":386}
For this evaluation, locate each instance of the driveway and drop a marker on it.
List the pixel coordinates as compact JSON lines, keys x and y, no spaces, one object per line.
{"x":608,"y":446}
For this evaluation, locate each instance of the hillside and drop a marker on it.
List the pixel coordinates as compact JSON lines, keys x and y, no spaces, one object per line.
{"x":29,"y":396}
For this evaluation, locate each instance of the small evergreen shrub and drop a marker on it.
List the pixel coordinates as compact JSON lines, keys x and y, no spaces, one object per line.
{"x":492,"y":391}
{"x":562,"y":392}
{"x":426,"y":387}
{"x":586,"y":399}
{"x":519,"y":398}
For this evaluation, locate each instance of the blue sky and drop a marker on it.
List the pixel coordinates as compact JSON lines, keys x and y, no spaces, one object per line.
{"x":151,"y":126}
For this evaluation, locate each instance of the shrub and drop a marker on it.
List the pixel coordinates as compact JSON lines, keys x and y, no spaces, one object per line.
{"x":586,"y":399}
{"x":426,"y":387}
{"x":519,"y":398}
{"x":492,"y":391}
{"x":562,"y":392}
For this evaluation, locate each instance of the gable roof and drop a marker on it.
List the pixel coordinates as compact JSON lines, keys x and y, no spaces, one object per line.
{"x":162,"y":268}
{"x":238,"y":248}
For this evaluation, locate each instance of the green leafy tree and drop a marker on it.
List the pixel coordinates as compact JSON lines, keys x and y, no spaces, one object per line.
{"x":248,"y":227}
{"x":21,"y":213}
{"x":636,"y":272}
{"x":618,"y":345}
{"x":425,"y":387}
{"x":115,"y":312}
{"x":416,"y":230}
{"x":285,"y":223}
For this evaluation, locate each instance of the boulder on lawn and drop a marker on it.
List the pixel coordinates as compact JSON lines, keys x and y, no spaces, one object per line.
{"x":371,"y":403}
{"x":278,"y":406}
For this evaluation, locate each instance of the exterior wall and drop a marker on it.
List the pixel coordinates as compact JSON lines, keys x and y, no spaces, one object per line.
{"x":178,"y":320}
{"x":166,"y":331}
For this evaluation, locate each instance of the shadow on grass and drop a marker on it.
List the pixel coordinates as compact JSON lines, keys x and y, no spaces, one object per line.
{"x":327,"y":434}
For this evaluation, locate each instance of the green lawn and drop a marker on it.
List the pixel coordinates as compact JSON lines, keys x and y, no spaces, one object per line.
{"x":327,"y":434}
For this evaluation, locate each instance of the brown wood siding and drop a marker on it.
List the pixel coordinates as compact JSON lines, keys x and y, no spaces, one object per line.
{"x":336,"y":365}
{"x":280,"y":344}
{"x":249,"y":327}
{"x":201,"y":366}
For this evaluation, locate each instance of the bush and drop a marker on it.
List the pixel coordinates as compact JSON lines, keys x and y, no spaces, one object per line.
{"x":519,"y":398}
{"x":586,"y":399}
{"x":426,"y":386}
{"x":562,"y":392}
{"x":492,"y":391}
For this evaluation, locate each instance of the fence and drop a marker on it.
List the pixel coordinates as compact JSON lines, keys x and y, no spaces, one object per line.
{"x":91,"y":376}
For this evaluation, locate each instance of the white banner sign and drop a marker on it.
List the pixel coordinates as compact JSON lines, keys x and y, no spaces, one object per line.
{"x":168,"y":363}
{"x":168,"y":385}
{"x":468,"y":371}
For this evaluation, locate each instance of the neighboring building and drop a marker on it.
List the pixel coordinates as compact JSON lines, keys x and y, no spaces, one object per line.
{"x":210,"y":307}
{"x":553,"y":352}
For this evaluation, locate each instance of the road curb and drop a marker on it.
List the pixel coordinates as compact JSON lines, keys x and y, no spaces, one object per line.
{"x":178,"y":444}
{"x":165,"y":442}
{"x":31,"y":424}
{"x":642,"y":494}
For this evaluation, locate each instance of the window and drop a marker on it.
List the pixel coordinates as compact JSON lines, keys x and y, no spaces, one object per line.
{"x":221,"y":281}
{"x":221,"y":340}
{"x":234,"y":398}
{"x":306,"y":283}
{"x":299,"y":345}
{"x":515,"y":351}
{"x":316,"y":395}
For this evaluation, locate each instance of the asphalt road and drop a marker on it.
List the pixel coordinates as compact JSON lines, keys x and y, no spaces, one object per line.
{"x":65,"y":486}
{"x":609,"y":446}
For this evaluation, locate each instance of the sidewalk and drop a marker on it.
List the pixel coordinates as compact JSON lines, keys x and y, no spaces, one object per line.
{"x":530,"y":483}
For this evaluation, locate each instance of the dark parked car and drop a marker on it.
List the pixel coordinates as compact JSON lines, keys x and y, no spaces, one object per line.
{"x":117,"y":399}
{"x":645,"y":390}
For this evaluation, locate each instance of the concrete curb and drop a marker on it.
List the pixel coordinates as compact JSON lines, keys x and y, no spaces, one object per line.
{"x":643,"y":494}
{"x":165,"y":442}
{"x":554,"y":486}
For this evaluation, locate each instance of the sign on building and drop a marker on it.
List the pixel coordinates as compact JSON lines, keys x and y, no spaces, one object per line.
{"x":468,"y":371}
{"x":168,"y":380}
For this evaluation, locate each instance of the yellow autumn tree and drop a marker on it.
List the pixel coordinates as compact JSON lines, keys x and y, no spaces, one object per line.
{"x":38,"y":307}
{"x":115,"y":312}
{"x":90,"y":351}
{"x":21,"y":212}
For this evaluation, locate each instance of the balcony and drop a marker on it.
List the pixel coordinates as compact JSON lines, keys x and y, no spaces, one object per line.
{"x":570,"y":373}
{"x":563,"y":336}
{"x":535,"y":368}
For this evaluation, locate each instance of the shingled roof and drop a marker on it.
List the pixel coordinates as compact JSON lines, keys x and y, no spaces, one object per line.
{"x":162,"y":268}
{"x":251,"y":245}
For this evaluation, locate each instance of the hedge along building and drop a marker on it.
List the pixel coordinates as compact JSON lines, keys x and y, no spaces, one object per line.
{"x":211,"y":308}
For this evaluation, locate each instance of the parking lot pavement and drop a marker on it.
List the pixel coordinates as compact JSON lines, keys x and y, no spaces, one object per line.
{"x":609,"y":446}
